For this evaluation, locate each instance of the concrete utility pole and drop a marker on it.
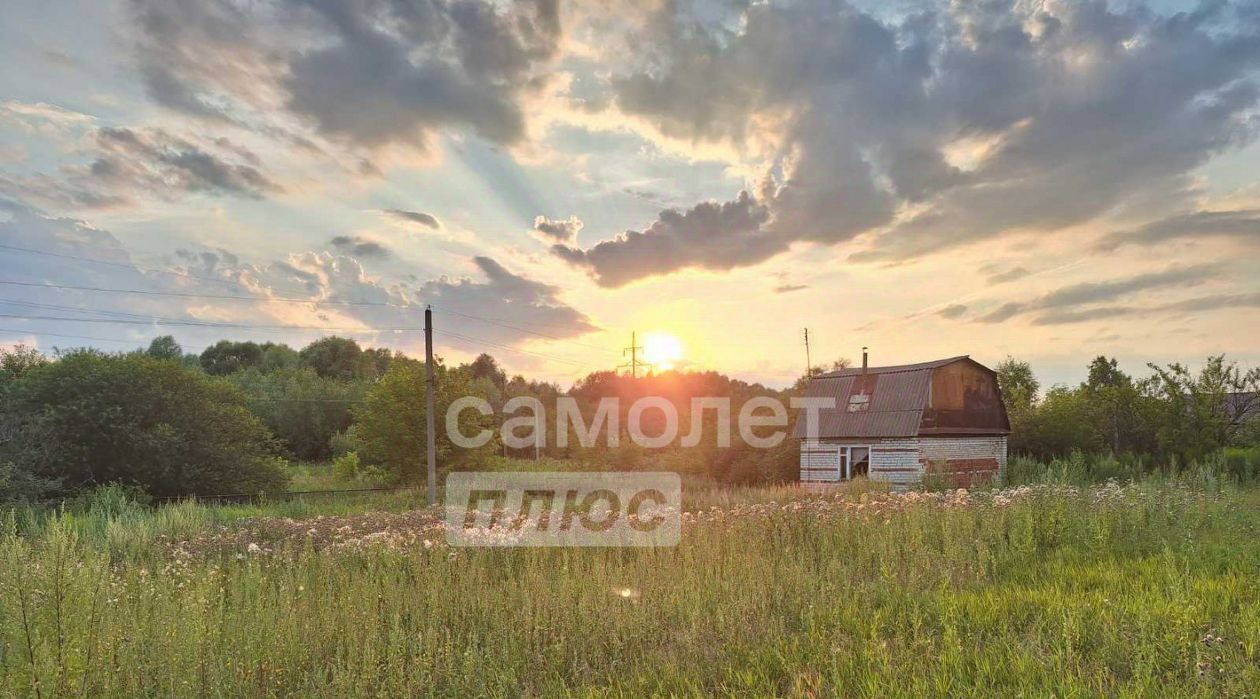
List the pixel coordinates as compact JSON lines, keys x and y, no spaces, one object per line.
{"x":429,"y":429}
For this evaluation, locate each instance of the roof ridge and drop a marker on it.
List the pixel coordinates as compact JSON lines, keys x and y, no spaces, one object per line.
{"x":892,"y":369}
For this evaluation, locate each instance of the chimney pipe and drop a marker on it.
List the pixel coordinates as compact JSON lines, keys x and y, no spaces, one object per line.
{"x":863,"y":360}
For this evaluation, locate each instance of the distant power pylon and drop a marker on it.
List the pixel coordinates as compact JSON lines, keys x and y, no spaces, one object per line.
{"x":633,"y":350}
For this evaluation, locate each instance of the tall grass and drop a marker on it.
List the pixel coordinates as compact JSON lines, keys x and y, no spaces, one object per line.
{"x":1058,"y":593}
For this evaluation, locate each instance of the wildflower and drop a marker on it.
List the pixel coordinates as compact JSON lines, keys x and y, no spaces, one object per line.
{"x":254,"y":548}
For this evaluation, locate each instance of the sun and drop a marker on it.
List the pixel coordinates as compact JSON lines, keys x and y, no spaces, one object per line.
{"x":662,"y":350}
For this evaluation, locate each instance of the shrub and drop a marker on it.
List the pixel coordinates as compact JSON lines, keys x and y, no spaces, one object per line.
{"x":301,"y":407}
{"x":140,"y":421}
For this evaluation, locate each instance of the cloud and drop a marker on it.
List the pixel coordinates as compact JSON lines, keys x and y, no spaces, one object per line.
{"x":558,"y":230}
{"x":928,"y":130}
{"x":186,"y":297}
{"x":131,"y":163}
{"x":1242,"y":225}
{"x":952,"y":311}
{"x":711,"y":235}
{"x":415,"y":217}
{"x":368,"y":72}
{"x":1201,"y":304}
{"x":1096,"y":292}
{"x":505,"y":299}
{"x":1009,"y":275}
{"x":358,"y":246}
{"x":787,"y":288}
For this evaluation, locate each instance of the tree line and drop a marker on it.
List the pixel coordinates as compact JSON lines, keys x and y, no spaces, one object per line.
{"x":1172,"y":416}
{"x":232,"y":418}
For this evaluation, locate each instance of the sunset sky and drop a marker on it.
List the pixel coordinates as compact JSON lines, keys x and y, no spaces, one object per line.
{"x":1049,"y":180}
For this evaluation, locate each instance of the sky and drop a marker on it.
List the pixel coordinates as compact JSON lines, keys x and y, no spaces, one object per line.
{"x":1045,"y":180}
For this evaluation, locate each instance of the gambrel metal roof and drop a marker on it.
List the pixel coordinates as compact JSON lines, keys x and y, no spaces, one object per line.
{"x":898,"y":397}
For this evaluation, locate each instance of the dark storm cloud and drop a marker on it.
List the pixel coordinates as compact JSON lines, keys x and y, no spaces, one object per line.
{"x":1086,"y":293}
{"x":558,"y":230}
{"x":370,"y":72}
{"x":980,"y":118}
{"x":1242,"y":225}
{"x":358,"y":246}
{"x":415,"y":217}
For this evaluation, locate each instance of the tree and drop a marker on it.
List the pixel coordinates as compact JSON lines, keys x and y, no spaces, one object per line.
{"x":301,"y":407}
{"x":1058,"y":425}
{"x":165,"y":347}
{"x":142,"y":421}
{"x":1114,"y":405}
{"x":390,"y":422}
{"x":1018,"y":384}
{"x":1198,"y":418}
{"x":1019,"y":393}
{"x":16,"y":362}
{"x":225,"y":357}
{"x":334,"y":358}
{"x":486,"y":367}
{"x":276,"y":357}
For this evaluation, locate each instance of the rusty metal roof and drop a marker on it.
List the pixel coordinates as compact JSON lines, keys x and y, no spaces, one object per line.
{"x":896,"y":405}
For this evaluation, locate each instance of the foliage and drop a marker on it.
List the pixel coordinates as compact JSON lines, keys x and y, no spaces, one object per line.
{"x":301,"y":407}
{"x":277,"y":357}
{"x":347,"y":468}
{"x":165,"y":347}
{"x":1173,"y":415}
{"x":140,"y":421}
{"x":390,"y":423}
{"x":1197,"y":420}
{"x":342,"y":358}
{"x":226,"y":357}
{"x":16,"y":362}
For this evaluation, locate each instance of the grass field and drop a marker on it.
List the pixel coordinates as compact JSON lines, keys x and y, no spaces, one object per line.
{"x":1142,"y":590}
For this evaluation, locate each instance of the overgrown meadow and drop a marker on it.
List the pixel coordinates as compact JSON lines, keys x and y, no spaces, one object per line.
{"x":1143,"y":589}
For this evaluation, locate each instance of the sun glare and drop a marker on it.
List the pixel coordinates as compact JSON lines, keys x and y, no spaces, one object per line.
{"x":662,"y":350}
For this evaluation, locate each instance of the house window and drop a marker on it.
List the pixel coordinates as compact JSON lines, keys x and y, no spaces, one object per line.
{"x":859,"y":461}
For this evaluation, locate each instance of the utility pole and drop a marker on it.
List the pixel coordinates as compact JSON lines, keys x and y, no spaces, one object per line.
{"x":809,"y":367}
{"x":431,"y":444}
{"x":634,"y":349}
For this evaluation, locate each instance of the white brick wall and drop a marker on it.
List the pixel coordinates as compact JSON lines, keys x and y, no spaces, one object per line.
{"x":900,"y":461}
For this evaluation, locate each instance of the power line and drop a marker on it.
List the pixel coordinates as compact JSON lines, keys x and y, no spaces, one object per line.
{"x":198,"y":295}
{"x":122,"y":265}
{"x":160,"y":322}
{"x":283,"y":299}
{"x":207,"y":324}
{"x":508,"y":348}
{"x":40,"y":333}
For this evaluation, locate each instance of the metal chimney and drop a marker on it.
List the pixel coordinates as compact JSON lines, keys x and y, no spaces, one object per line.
{"x":863,"y":360}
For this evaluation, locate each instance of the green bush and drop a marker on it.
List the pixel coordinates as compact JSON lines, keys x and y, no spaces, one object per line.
{"x":301,"y":407}
{"x":140,"y":421}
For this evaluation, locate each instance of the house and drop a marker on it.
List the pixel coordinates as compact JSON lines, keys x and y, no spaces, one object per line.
{"x":899,"y":423}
